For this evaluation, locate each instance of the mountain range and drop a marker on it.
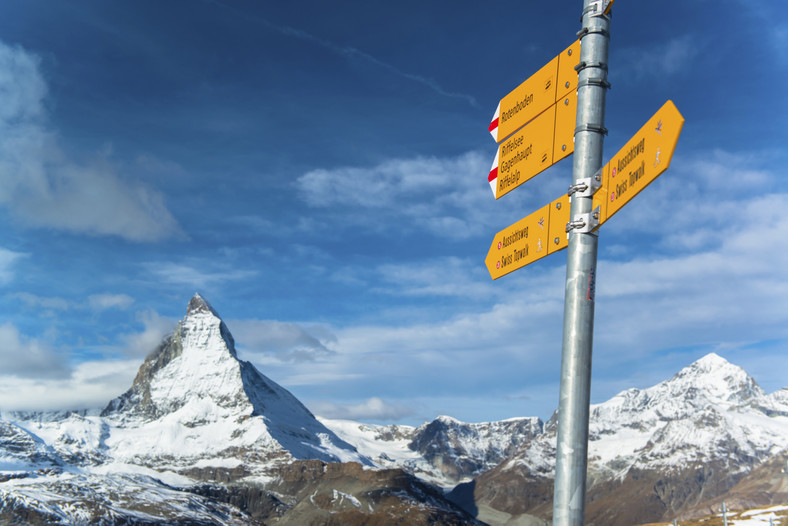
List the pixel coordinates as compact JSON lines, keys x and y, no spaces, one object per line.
{"x":202,"y":437}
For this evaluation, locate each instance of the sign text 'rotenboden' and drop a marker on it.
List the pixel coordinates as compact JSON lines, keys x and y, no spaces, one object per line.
{"x":540,"y":91}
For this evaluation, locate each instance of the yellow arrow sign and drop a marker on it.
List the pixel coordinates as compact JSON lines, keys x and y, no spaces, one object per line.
{"x":535,"y":147}
{"x":642,"y":159}
{"x":540,"y":91}
{"x":530,"y":239}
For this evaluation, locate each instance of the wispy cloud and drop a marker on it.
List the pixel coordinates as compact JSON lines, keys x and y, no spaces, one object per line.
{"x":94,"y":302}
{"x":155,"y":328}
{"x":447,"y":197}
{"x":198,"y":277}
{"x":449,"y":276}
{"x":100,"y":302}
{"x":8,"y":259}
{"x":352,"y":53}
{"x":371,"y":409}
{"x":25,"y":357}
{"x":91,"y":384}
{"x":663,"y":60}
{"x":44,"y":187}
{"x":695,"y":265}
{"x":287,"y":342}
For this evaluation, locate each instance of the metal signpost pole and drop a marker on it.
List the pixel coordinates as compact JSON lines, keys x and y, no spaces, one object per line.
{"x":573,"y":407}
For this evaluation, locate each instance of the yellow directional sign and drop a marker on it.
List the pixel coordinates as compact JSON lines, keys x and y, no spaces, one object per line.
{"x":540,"y":91}
{"x":532,"y":238}
{"x":642,"y":159}
{"x":535,"y":147}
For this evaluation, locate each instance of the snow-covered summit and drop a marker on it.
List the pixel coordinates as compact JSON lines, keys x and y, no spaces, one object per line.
{"x":717,"y":380}
{"x":198,"y":362}
{"x":194,"y":403}
{"x":698,"y":414}
{"x":199,"y":304}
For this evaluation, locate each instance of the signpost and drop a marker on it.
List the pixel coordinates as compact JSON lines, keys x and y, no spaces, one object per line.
{"x":540,"y":91}
{"x":534,"y":124}
{"x":538,"y":145}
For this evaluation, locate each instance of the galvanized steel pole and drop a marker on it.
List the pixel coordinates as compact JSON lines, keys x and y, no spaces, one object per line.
{"x":573,"y":407}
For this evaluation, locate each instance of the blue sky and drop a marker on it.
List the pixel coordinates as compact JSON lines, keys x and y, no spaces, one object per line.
{"x":317,"y":170}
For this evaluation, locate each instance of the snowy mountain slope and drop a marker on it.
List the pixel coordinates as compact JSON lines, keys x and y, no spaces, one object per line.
{"x":22,"y":451}
{"x":80,"y":498}
{"x":705,"y":412}
{"x":666,"y":447}
{"x":444,"y":451}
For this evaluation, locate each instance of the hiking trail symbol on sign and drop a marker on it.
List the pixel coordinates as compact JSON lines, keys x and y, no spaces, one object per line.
{"x":642,"y":159}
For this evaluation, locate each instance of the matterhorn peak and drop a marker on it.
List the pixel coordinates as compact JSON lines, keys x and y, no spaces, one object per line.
{"x":194,"y":386}
{"x":198,"y":305}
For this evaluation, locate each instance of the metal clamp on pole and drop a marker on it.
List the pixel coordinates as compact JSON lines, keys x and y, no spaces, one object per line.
{"x":583,"y":65}
{"x":584,"y":223}
{"x":591,"y":30}
{"x":594,"y":82}
{"x":591,"y":128}
{"x":587,"y":186}
{"x":598,"y":8}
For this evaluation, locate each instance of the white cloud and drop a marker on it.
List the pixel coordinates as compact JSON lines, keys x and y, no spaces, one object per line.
{"x":197,"y":278}
{"x":8,"y":259}
{"x":41,"y":302}
{"x":662,"y":60}
{"x":447,"y":197}
{"x":728,"y":291}
{"x":44,"y":187}
{"x":91,"y":385}
{"x":25,"y":357}
{"x":371,"y":409}
{"x":288,"y":342}
{"x":449,"y":276}
{"x":143,"y":343}
{"x":99,"y":302}
{"x":95,"y":302}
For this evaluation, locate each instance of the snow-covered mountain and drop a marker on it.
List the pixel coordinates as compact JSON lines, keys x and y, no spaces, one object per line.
{"x":667,"y":447}
{"x":201,"y":437}
{"x":193,"y":404}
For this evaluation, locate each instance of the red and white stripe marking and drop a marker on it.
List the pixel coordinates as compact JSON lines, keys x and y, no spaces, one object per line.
{"x":493,"y":177}
{"x":494,"y":123}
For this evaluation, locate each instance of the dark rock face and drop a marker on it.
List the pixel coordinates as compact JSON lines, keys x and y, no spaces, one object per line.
{"x":309,"y":492}
{"x":24,"y":449}
{"x":137,"y":400}
{"x":258,"y":504}
{"x":461,"y":450}
{"x":348,"y":494}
